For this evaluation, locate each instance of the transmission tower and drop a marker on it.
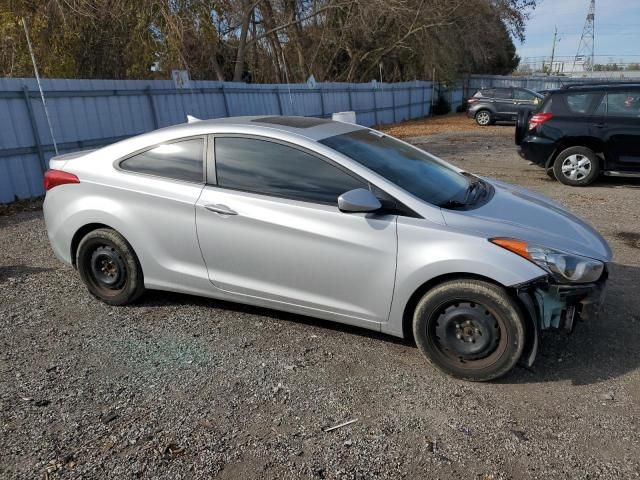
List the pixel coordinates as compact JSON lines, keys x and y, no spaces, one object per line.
{"x":587,"y":41}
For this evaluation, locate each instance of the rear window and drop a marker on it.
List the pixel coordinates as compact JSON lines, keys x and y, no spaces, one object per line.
{"x":580,"y":103}
{"x":182,"y":160}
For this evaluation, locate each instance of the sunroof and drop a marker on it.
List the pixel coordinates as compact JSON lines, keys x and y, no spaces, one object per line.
{"x":295,"y":122}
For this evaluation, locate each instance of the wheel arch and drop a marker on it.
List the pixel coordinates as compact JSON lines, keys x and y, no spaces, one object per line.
{"x":410,"y":306}
{"x":83,"y":232}
{"x":520,"y":298}
{"x":588,"y":142}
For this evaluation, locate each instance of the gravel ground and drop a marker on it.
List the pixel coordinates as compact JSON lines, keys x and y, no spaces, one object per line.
{"x":182,"y":387}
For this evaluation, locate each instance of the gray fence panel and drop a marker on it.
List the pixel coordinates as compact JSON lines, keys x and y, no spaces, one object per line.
{"x":92,"y":113}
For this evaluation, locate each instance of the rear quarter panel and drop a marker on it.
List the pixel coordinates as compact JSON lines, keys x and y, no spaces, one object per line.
{"x":156,"y":216}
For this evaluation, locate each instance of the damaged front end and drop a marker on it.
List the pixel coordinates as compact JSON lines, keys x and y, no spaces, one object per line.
{"x":554,"y":306}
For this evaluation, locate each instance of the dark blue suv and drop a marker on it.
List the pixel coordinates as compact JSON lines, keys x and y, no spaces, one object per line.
{"x":582,"y":131}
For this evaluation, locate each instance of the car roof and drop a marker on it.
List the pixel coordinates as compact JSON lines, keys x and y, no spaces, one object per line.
{"x":598,"y":87}
{"x":312,"y":128}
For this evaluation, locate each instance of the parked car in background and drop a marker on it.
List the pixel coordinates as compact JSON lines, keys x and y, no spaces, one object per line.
{"x":331,"y":220}
{"x":582,"y":131}
{"x":490,"y":105}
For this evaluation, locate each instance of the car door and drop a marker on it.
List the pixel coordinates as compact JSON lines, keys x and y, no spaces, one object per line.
{"x":621,"y":129}
{"x":269,"y":228}
{"x":505,"y":106}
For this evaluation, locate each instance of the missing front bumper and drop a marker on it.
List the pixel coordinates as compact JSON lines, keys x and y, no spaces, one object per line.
{"x":559,"y":306}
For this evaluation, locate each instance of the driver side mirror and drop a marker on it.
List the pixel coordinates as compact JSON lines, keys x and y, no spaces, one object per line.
{"x":358,"y":200}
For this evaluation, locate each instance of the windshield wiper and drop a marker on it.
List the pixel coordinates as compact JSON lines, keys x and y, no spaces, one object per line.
{"x":478,"y":186}
{"x":470,"y":197}
{"x":452,"y":203}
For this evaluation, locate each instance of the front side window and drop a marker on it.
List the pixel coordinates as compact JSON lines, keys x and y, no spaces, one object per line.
{"x":407,"y":167}
{"x":519,"y":94}
{"x":181,"y":160}
{"x":270,"y":168}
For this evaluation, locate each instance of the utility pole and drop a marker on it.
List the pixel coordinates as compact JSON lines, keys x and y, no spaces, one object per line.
{"x":553,"y":50}
{"x":586,"y":47}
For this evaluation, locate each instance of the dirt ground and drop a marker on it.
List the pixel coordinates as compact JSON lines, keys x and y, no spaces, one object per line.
{"x":182,"y":387}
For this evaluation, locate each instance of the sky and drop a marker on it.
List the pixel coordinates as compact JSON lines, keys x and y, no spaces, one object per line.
{"x":617,"y":29}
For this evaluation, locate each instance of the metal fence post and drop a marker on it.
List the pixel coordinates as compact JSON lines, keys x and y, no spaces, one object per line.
{"x":375,"y":105}
{"x":350,"y":99}
{"x":279,"y":101}
{"x":227,"y":113}
{"x":393,"y":100}
{"x":424,"y":87}
{"x":152,"y":105}
{"x":34,"y":129}
{"x":322,"y":101}
{"x":410,"y":107}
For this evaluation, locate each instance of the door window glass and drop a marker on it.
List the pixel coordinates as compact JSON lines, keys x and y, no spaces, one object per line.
{"x":523,"y":95}
{"x":503,"y":93}
{"x":602,"y":106}
{"x":580,"y":102}
{"x":270,"y":168}
{"x":179,"y":160}
{"x":623,"y":104}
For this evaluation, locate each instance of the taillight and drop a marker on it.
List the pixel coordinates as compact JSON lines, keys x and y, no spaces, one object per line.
{"x":472,"y":100}
{"x":53,"y":178}
{"x":538,"y":119}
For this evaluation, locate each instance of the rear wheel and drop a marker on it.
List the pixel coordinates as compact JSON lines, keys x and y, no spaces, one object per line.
{"x":484,"y":118}
{"x":576,"y":166}
{"x":109,"y":267}
{"x":470,"y":329}
{"x":522,"y":123}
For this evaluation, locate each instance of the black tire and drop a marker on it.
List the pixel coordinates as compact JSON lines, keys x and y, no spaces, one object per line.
{"x":484,"y":117}
{"x":470,"y":329}
{"x":572,"y":157}
{"x":522,"y":125}
{"x":109,"y":267}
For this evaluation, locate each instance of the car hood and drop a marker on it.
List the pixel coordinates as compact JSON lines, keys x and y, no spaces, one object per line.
{"x":515,"y":212}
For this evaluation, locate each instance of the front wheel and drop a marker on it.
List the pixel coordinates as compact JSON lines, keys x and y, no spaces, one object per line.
{"x":470,"y":329}
{"x":109,"y":267}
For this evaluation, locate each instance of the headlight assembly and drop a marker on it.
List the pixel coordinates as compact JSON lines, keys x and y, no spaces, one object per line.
{"x":565,"y":267}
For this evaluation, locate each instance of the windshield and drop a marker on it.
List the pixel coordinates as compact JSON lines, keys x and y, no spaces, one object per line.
{"x":407,"y":167}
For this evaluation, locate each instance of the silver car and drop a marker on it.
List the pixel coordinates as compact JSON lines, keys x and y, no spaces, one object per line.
{"x":331,"y":220}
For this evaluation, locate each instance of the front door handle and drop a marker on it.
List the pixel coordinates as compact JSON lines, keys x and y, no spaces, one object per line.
{"x":221,"y":209}
{"x":599,"y":125}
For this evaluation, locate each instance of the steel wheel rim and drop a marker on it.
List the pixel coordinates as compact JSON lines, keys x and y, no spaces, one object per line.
{"x":483,"y":118}
{"x":107,"y":269}
{"x":576,"y":167}
{"x":442,"y":334}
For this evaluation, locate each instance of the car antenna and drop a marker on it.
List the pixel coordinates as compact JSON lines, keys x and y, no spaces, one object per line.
{"x":35,"y":69}
{"x":192,"y":119}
